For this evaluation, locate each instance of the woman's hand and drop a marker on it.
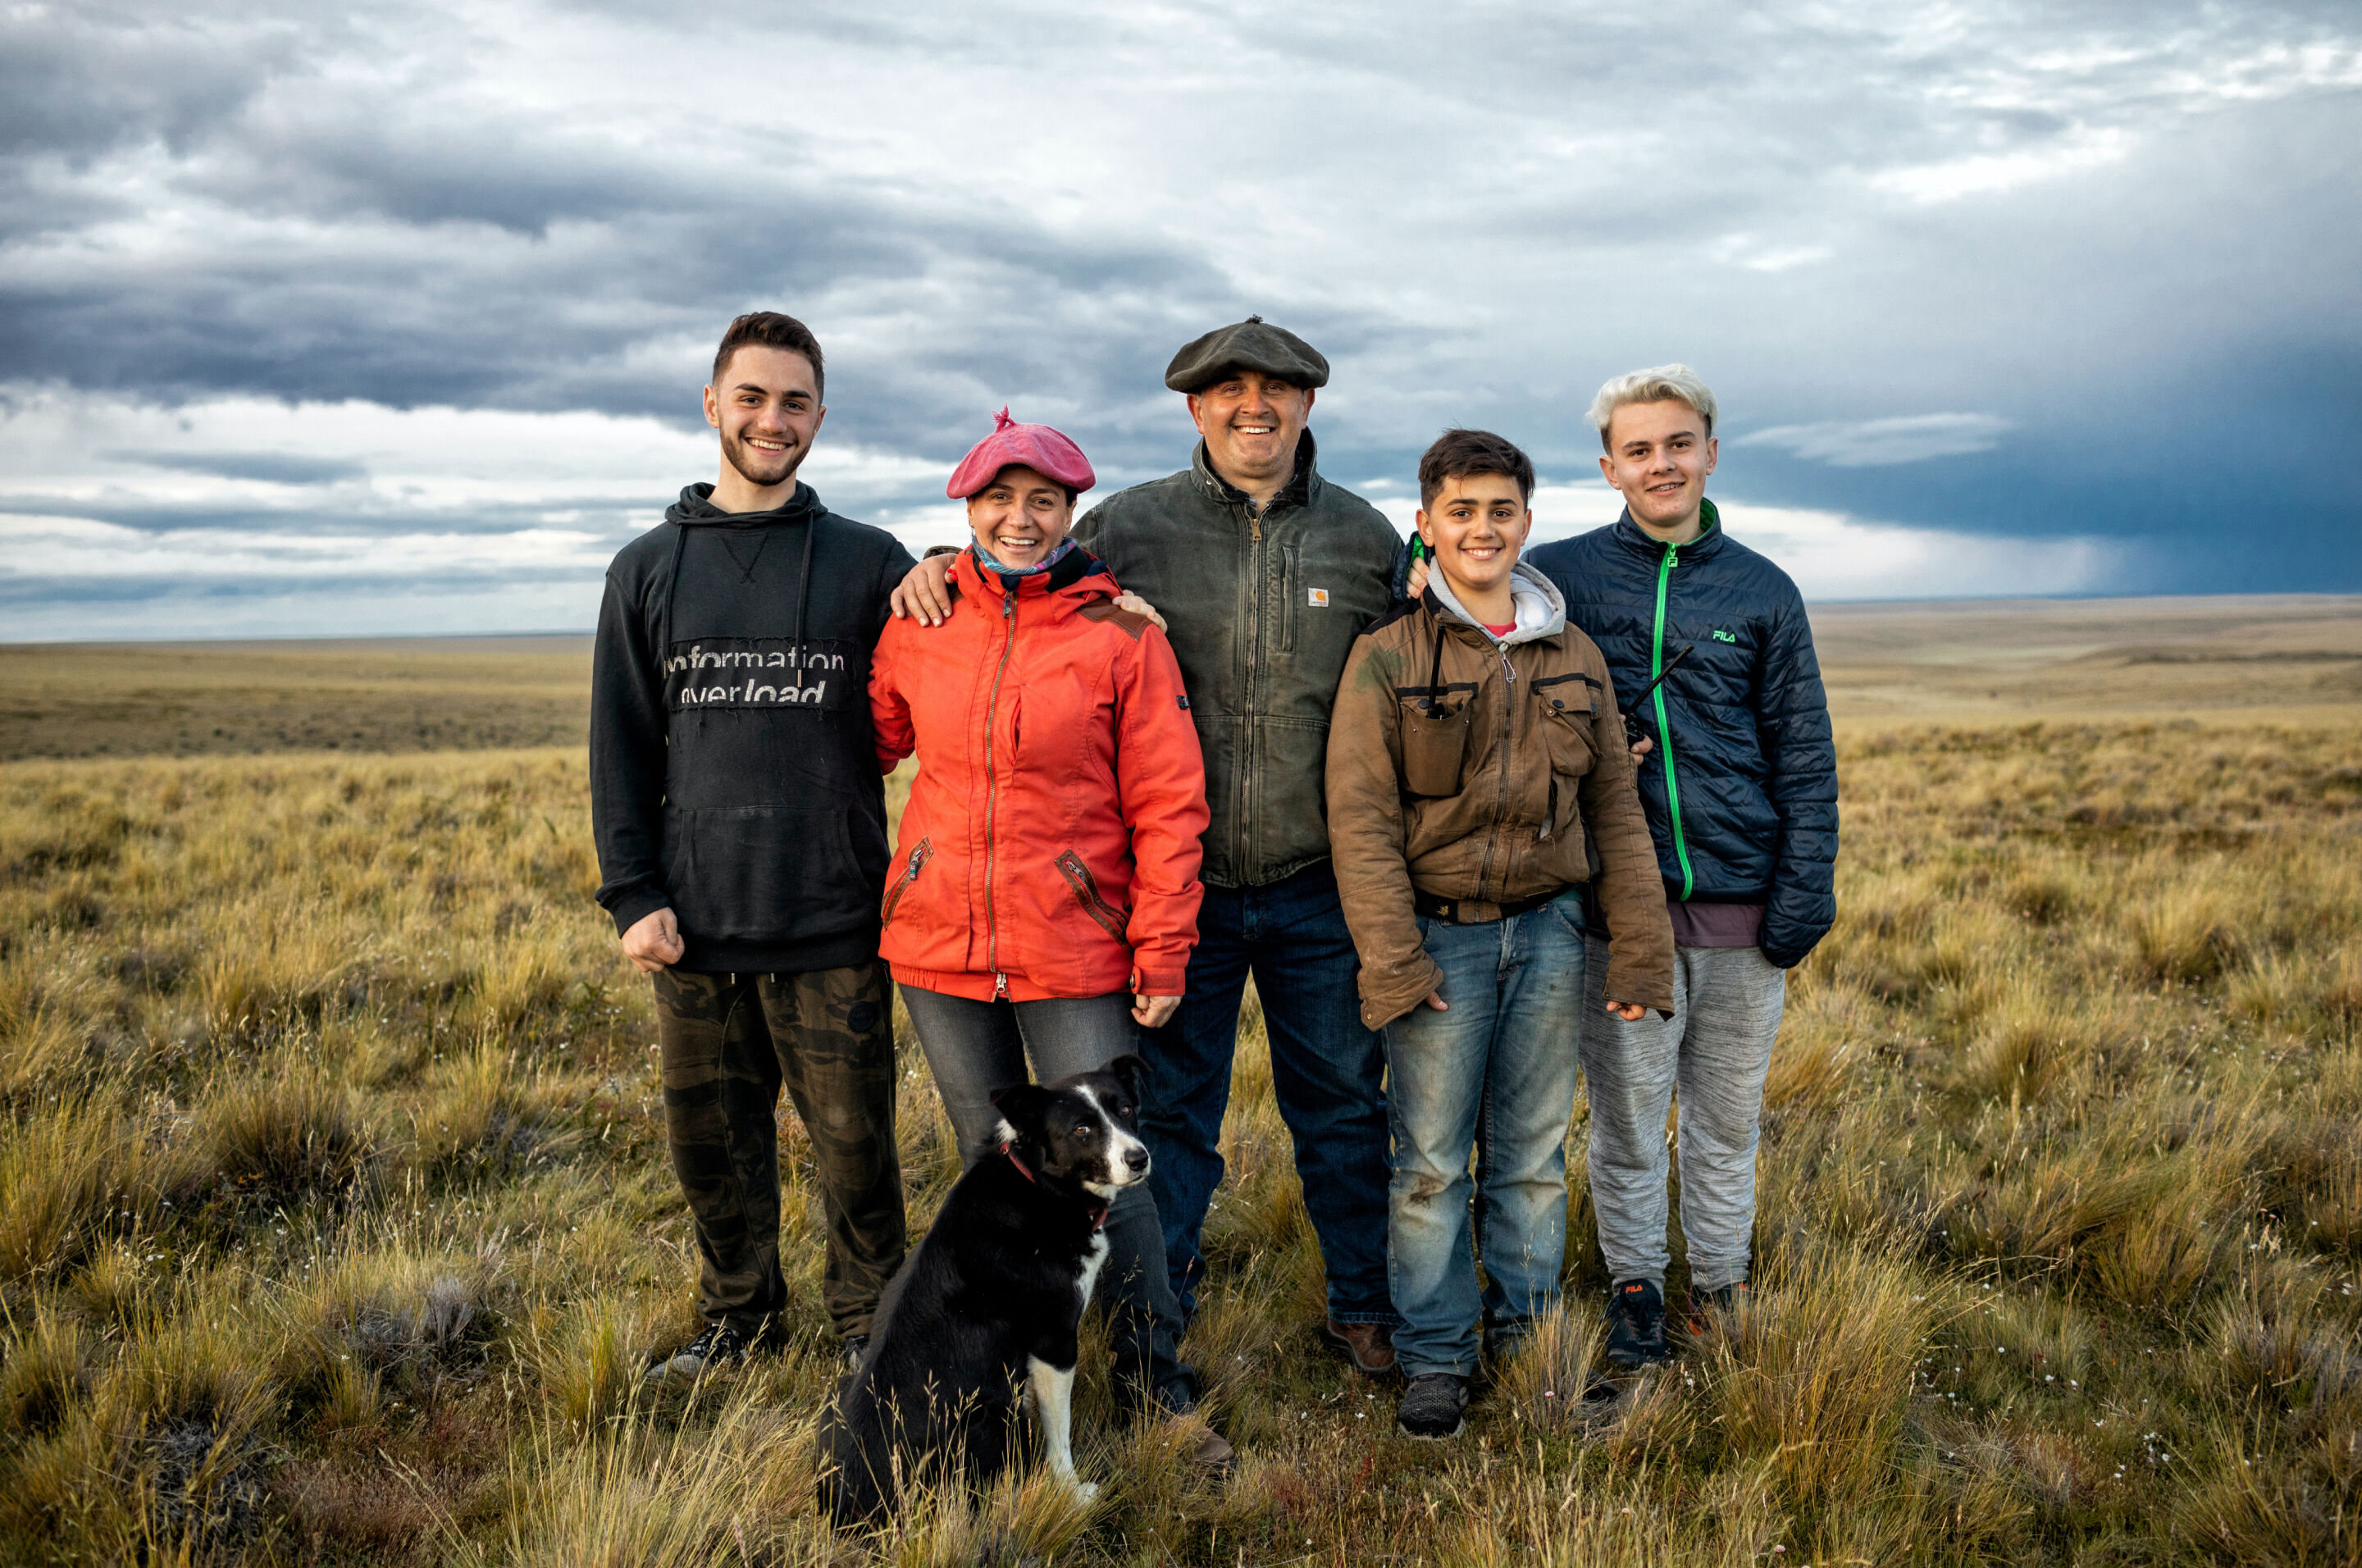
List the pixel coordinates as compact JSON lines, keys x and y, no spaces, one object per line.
{"x":1153,"y":1012}
{"x":1435,"y":1000}
{"x":922,"y":594}
{"x":1629,"y":1012}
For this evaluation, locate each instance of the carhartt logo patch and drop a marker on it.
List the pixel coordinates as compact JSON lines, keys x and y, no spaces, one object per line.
{"x":1722,"y":636}
{"x":1317,"y":598}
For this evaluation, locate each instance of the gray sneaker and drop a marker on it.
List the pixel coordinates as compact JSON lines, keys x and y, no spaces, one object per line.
{"x":1431,"y":1407}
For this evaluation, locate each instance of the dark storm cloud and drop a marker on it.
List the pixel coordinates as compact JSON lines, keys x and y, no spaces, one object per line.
{"x":269,"y":467}
{"x":2103,"y":242}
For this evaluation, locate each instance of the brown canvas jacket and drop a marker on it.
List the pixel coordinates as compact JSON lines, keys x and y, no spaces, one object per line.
{"x":1491,"y":774}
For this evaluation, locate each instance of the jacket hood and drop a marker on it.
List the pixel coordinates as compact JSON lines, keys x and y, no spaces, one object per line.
{"x":1541,"y":609}
{"x":696,"y":507}
{"x":1631,"y":535}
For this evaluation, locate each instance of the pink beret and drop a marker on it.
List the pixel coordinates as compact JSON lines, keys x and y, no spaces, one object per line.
{"x":1037,"y":447}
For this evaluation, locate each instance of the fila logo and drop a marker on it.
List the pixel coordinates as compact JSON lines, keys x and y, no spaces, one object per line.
{"x":1317,"y":598}
{"x":1722,"y":636}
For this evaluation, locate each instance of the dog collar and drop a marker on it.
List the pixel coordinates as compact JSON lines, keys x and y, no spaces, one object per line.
{"x":1098,"y":1211}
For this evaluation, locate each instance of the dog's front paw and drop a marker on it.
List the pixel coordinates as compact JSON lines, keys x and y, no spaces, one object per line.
{"x":1084,"y":1492}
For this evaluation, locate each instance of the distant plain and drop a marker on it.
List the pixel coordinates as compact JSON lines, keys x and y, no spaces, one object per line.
{"x":2295,"y":657}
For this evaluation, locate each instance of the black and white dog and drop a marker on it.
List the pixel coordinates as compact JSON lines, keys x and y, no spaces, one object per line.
{"x":992,"y":1300}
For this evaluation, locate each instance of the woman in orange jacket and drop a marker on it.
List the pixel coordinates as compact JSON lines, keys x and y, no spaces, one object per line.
{"x":1044,"y":894}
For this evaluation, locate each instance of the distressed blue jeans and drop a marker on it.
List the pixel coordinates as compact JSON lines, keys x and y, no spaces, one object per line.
{"x":1495,"y":1074}
{"x":1327,"y":1073}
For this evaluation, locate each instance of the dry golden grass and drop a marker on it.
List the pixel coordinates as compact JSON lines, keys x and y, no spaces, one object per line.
{"x":335,"y":1212}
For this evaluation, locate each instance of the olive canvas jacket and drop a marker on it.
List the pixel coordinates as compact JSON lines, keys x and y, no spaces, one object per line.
{"x":1489,"y":773}
{"x":1263,"y":610}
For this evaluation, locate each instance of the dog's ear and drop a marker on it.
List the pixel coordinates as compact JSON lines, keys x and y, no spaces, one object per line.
{"x":1132,"y":1074}
{"x":1024,"y":1106}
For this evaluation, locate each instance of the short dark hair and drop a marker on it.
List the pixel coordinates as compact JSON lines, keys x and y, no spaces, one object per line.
{"x":1464,"y":454}
{"x":769,"y":329}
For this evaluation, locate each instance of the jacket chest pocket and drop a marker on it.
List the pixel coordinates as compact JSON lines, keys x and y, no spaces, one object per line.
{"x":1287,"y":562}
{"x":1570,"y":703}
{"x":1436,"y":722}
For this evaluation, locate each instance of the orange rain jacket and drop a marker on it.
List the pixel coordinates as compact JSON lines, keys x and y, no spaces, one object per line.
{"x":1051,"y":845}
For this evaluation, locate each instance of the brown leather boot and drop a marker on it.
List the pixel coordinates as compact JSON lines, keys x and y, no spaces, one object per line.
{"x":1369,"y":1346}
{"x":1211,"y":1450}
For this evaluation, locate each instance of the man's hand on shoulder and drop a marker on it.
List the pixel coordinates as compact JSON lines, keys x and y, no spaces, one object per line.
{"x":654,"y":941}
{"x":923,"y":595}
{"x":1132,"y":601}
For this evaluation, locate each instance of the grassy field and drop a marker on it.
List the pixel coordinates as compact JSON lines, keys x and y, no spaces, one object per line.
{"x":334,"y":1209}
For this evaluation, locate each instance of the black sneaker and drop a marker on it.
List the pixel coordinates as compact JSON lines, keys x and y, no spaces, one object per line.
{"x":1636,"y":1326}
{"x":1431,"y":1405}
{"x":1722,"y":1312}
{"x":720,"y":1348}
{"x":856,"y":1347}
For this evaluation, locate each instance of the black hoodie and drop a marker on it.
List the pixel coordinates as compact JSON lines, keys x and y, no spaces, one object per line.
{"x":736,"y":780}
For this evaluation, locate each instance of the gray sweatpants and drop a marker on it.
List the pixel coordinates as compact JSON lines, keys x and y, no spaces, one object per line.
{"x":1716,"y":1047}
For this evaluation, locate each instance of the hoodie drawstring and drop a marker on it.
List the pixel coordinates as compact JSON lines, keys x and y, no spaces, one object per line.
{"x":1435,"y":673}
{"x":672,"y":591}
{"x":803,"y":601}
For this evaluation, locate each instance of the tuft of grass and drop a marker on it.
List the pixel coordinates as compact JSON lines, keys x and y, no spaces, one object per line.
{"x":45,"y":1372}
{"x":297,"y":1131}
{"x":71,"y":1176}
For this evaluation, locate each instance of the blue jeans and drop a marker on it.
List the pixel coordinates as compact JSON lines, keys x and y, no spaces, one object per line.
{"x":1496,"y":1070}
{"x":1327,"y":1073}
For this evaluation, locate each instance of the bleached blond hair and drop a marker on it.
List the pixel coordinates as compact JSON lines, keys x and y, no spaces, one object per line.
{"x":1677,"y":383}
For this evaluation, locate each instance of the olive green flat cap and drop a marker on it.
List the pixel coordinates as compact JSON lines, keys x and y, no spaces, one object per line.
{"x":1252,"y":344}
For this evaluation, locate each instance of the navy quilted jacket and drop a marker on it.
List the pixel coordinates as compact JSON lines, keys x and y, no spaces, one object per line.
{"x":1742,"y":793}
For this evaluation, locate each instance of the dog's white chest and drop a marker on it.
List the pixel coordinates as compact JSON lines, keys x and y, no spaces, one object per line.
{"x":1093,"y":1261}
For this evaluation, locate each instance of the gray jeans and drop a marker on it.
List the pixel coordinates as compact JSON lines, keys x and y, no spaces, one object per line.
{"x":1716,"y":1047}
{"x":977,"y":1047}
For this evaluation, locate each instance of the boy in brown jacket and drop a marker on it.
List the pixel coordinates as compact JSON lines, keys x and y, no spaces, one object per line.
{"x":1477,"y":778}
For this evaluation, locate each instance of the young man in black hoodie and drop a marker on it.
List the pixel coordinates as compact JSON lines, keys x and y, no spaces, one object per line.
{"x":741,"y":825}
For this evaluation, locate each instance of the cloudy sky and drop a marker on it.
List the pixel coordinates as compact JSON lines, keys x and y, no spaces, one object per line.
{"x":391,"y":318}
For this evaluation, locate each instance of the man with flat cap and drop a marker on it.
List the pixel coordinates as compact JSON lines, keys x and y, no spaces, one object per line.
{"x":1264,"y":572}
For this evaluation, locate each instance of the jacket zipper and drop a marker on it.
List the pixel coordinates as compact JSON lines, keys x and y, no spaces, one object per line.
{"x":894,"y":897}
{"x":1664,"y":728}
{"x":1086,"y":891}
{"x":1254,"y":658}
{"x":1508,"y":745}
{"x":993,"y":799}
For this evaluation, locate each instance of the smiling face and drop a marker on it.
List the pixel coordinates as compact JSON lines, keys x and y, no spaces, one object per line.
{"x":1251,"y":422}
{"x":1020,"y":517}
{"x":1474,"y":527}
{"x":767,"y":405}
{"x":1659,"y":455}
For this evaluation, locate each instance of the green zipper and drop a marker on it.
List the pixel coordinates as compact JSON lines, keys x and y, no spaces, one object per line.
{"x":1664,"y":729}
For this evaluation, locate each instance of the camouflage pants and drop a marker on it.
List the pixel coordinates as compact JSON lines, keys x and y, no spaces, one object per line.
{"x":729,"y":1042}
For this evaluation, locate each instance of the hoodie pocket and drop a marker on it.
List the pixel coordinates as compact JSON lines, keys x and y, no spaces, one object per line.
{"x":911,"y":869}
{"x":1087,"y":893}
{"x":764,"y":874}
